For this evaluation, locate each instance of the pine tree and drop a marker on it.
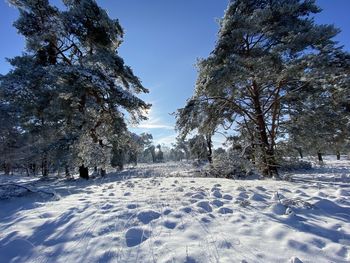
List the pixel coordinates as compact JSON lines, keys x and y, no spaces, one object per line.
{"x":266,"y":52}
{"x":71,"y":84}
{"x":200,"y":117}
{"x":198,"y":147}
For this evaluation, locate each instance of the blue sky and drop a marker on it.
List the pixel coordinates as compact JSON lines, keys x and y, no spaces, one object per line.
{"x":163,"y":40}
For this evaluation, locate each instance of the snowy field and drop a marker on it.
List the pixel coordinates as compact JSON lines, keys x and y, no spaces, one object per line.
{"x":163,"y":214}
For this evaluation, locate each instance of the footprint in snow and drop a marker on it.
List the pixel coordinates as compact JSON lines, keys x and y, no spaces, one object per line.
{"x":240,"y":188}
{"x":205,"y":220}
{"x":188,"y":194}
{"x":186,"y":209}
{"x":106,"y":206}
{"x":318,"y":243}
{"x":135,"y":236}
{"x":260,"y":188}
{"x":147,"y":216}
{"x":108,"y":256}
{"x":216,"y":194}
{"x":167,"y":211}
{"x":199,"y":195}
{"x":190,"y":260}
{"x":243,"y":195}
{"x":257,"y":197}
{"x":205,"y":206}
{"x":177,"y":215}
{"x":225,"y":210}
{"x":217,"y":203}
{"x":170,"y":224}
{"x":215,"y":189}
{"x":132,"y":206}
{"x":104,"y":230}
{"x":227,"y":197}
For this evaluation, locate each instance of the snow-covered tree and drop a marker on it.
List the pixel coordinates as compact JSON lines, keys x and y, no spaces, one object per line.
{"x":266,"y":51}
{"x":71,"y":83}
{"x":198,"y":147}
{"x":200,"y":117}
{"x":181,"y":149}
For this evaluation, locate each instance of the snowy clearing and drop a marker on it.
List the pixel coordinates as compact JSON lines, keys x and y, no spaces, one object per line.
{"x":151,"y":214}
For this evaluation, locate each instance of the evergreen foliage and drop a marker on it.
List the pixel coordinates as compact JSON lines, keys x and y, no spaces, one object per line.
{"x":71,"y":90}
{"x":267,"y":52}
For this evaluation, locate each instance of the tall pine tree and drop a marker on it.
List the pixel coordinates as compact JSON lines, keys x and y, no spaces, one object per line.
{"x":266,"y":51}
{"x":71,"y":87}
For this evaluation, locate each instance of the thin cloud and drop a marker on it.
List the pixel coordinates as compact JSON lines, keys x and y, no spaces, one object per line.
{"x":155,"y":126}
{"x":154,"y":122}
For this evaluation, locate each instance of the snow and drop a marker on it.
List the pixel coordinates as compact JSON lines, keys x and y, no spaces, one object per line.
{"x":161,"y":213}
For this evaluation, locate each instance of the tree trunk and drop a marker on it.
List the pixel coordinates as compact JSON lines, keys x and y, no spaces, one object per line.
{"x":44,"y":166}
{"x":300,"y":151}
{"x":84,"y":172}
{"x":32,"y":168}
{"x":319,"y":155}
{"x":210,"y":150}
{"x":66,"y":169}
{"x":269,"y":168}
{"x":153,"y":153}
{"x":103,"y":172}
{"x":7,"y":168}
{"x":338,"y":155}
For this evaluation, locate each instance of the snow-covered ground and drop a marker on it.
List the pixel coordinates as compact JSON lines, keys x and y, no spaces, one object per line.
{"x":153,"y":214}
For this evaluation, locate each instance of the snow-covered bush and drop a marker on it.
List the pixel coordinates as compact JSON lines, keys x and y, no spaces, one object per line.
{"x":230,"y":165}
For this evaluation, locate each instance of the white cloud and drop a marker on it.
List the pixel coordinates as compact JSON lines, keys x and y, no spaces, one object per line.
{"x":154,"y":122}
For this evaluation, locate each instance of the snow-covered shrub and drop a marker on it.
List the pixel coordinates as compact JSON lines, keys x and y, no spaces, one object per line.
{"x":230,"y":165}
{"x":199,"y":163}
